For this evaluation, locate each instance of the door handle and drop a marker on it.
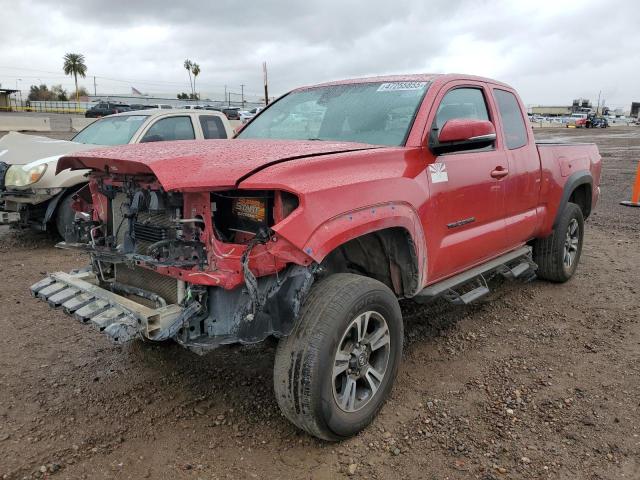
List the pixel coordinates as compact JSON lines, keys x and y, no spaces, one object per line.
{"x":500,"y":172}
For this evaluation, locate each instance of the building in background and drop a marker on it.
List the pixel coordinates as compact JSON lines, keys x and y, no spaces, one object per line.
{"x":5,"y":99}
{"x":551,"y":111}
{"x":581,"y":105}
{"x":635,"y":110}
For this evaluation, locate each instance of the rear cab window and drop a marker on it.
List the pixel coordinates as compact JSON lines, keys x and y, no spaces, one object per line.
{"x":171,"y":128}
{"x":513,"y":126}
{"x":212,"y":127}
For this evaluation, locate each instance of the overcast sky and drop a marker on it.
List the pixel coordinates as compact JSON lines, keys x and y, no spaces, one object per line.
{"x":551,"y":51}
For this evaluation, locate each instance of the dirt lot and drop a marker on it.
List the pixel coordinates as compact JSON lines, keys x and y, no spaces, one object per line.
{"x":539,"y":381}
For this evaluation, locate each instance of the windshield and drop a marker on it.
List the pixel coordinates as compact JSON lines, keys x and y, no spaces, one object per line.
{"x":111,"y":130}
{"x":376,"y":113}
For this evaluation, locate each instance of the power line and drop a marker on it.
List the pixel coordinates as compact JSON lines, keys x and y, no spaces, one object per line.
{"x":103,"y":77}
{"x":157,"y":83}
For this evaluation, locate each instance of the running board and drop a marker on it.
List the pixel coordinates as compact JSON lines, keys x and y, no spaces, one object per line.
{"x":513,"y":264}
{"x":472,"y":295}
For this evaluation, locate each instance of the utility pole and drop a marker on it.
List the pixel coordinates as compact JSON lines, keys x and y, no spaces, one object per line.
{"x":94,"y":87}
{"x":19,"y":90}
{"x":225,"y":94}
{"x":266,"y":88}
{"x":598,"y":107}
{"x":242,"y":93}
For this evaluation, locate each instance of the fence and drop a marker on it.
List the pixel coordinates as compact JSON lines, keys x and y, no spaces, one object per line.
{"x":16,"y":105}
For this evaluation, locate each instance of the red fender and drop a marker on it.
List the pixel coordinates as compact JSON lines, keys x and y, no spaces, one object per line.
{"x":356,"y":223}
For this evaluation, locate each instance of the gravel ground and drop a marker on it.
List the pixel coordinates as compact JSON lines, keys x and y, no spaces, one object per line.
{"x":538,"y":381}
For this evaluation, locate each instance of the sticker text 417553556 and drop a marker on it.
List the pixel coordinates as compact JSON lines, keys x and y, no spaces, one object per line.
{"x":401,"y":86}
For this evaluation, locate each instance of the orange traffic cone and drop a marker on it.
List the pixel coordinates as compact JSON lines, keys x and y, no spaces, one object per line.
{"x":635,"y":195}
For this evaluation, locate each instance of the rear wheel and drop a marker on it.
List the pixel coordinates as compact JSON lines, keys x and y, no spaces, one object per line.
{"x":334,"y":372}
{"x":558,"y":255}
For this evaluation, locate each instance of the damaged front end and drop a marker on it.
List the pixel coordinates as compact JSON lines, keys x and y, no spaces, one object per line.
{"x":203,"y":268}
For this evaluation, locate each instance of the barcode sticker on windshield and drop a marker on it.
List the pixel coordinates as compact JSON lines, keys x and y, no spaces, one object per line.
{"x":397,"y":86}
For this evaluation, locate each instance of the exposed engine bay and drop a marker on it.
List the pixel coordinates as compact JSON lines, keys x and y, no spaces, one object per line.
{"x":210,"y":258}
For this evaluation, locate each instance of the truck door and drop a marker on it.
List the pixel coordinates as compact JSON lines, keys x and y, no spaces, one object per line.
{"x":465,"y":220}
{"x":522,"y":185}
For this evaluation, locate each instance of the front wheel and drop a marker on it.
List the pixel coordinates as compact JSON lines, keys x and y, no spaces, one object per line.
{"x":64,"y":218}
{"x":334,"y":372}
{"x":558,"y":255}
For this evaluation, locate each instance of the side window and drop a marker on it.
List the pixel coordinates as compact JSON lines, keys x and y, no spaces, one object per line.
{"x":462,"y":103}
{"x":172,"y":128}
{"x":515,"y":131}
{"x":212,"y":127}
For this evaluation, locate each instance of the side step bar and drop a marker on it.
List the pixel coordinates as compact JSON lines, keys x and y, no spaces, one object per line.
{"x":513,"y":264}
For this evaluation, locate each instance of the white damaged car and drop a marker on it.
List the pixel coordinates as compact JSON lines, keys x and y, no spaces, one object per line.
{"x":33,"y":195}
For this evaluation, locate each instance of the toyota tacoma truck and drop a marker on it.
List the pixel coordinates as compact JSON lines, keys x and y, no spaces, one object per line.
{"x":330,"y":206}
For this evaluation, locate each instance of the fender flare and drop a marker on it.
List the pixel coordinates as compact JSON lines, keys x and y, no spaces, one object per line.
{"x":356,"y":223}
{"x":52,"y":206}
{"x":574,"y":181}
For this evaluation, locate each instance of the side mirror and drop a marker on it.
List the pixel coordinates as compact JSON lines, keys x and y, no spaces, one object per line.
{"x":464,"y":134}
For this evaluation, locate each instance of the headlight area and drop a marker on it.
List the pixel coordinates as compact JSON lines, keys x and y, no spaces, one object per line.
{"x":24,"y":175}
{"x":240,"y":215}
{"x":204,"y":238}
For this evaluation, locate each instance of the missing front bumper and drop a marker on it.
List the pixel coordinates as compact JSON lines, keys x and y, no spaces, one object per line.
{"x":122,"y":319}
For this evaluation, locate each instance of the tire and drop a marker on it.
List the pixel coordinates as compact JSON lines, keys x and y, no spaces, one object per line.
{"x":305,"y":386}
{"x":550,"y":253}
{"x":65,"y":216}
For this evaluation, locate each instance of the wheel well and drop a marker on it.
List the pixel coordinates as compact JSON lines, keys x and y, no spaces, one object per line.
{"x":581,"y":196}
{"x":54,"y":206}
{"x":387,"y":255}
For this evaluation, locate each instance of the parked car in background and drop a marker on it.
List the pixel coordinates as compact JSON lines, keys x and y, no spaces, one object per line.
{"x":140,"y":106}
{"x":248,"y":115}
{"x":333,"y":204}
{"x":102,"y":109}
{"x":597,"y":122}
{"x":192,"y":107}
{"x":578,"y":120}
{"x":232,"y":113}
{"x":33,"y":193}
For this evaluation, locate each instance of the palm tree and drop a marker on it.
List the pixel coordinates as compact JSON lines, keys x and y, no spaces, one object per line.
{"x":188,"y":65}
{"x":195,"y":69}
{"x":74,"y":65}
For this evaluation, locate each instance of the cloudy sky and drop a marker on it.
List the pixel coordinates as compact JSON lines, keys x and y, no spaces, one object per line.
{"x":551,"y":50}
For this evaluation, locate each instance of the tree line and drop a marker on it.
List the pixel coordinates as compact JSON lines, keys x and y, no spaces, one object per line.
{"x":74,"y":65}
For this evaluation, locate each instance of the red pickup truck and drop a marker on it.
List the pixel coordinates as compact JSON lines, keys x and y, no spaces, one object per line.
{"x":330,"y":205}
